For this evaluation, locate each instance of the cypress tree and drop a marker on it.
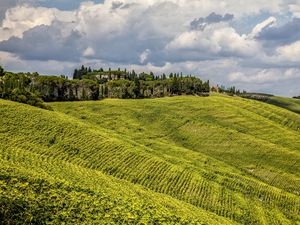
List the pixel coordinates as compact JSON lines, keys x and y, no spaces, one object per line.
{"x":75,"y":74}
{"x":1,"y":72}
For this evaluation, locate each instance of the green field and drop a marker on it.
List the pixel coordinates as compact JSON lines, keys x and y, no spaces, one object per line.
{"x":291,"y":104}
{"x":179,"y":160}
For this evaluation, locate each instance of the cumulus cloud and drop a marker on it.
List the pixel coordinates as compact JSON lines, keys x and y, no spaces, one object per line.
{"x":45,"y":43}
{"x":215,"y":40}
{"x":144,"y":56}
{"x":294,"y":7}
{"x":290,"y":52}
{"x":120,"y":31}
{"x":262,"y":26}
{"x":89,"y":52}
{"x":266,"y":75}
{"x":14,"y":63}
{"x":23,"y":18}
{"x":4,"y":6}
{"x":280,"y":35}
{"x":201,"y":23}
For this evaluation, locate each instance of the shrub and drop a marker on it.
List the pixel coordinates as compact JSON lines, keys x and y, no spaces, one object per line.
{"x":26,"y":97}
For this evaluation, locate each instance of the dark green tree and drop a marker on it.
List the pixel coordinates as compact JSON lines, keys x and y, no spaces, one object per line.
{"x":75,"y":74}
{"x":1,"y":72}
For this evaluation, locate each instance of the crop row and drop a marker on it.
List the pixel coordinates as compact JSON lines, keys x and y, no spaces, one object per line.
{"x":178,"y":183}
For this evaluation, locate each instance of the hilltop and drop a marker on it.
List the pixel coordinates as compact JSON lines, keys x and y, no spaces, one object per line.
{"x":186,"y":160}
{"x":34,"y":89}
{"x":292,"y":104}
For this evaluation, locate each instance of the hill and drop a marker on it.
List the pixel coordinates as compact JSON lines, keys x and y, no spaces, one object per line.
{"x":34,"y":89}
{"x":214,"y":160}
{"x":292,"y":104}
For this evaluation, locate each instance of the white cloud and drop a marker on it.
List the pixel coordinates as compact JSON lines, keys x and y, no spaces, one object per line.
{"x":290,"y":52}
{"x":22,"y":18}
{"x":161,"y":15}
{"x":261,"y":26}
{"x":100,"y":21}
{"x":121,"y":30}
{"x":144,"y":56}
{"x":265,"y":76}
{"x":88,"y":52}
{"x":215,"y":39}
{"x":12,"y":62}
{"x":294,"y":7}
{"x":6,"y":4}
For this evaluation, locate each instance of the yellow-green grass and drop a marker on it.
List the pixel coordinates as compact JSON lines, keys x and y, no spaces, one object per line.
{"x":49,"y":174}
{"x":291,"y":104}
{"x":214,"y":160}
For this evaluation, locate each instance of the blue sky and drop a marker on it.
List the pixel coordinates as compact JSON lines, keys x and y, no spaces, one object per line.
{"x":254,"y":45}
{"x":63,"y":4}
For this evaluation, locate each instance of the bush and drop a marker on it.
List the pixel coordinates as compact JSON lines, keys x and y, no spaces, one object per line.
{"x":26,"y":97}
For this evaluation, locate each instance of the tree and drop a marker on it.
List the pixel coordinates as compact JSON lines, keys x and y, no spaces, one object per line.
{"x":1,"y":72}
{"x":75,"y":74}
{"x":206,"y":87}
{"x":175,"y":86}
{"x":82,"y":68}
{"x":137,"y":88}
{"x":152,"y":75}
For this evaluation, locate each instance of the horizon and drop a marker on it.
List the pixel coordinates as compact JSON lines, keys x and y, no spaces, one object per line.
{"x":251,"y":45}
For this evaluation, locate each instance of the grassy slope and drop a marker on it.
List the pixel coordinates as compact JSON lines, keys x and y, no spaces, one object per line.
{"x":217,"y":160}
{"x":51,"y":170}
{"x":287,"y":103}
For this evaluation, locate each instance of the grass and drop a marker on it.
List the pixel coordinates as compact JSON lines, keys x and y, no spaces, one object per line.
{"x":291,"y":104}
{"x":179,"y":160}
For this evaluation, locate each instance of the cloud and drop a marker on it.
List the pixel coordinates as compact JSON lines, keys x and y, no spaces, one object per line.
{"x":280,"y":35}
{"x":201,"y":23}
{"x":144,"y":56}
{"x":23,"y":18}
{"x":120,"y":31}
{"x":12,"y":62}
{"x":262,"y":26}
{"x":215,"y":40}
{"x":4,"y":6}
{"x":290,"y":52}
{"x":265,"y":76}
{"x":45,"y":43}
{"x":89,"y":52}
{"x":294,"y":7}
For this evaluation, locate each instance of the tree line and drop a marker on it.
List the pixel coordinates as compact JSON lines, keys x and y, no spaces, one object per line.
{"x":128,"y":84}
{"x":88,"y":84}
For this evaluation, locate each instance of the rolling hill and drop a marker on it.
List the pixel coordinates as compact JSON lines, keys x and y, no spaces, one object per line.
{"x":179,"y":160}
{"x":291,"y":104}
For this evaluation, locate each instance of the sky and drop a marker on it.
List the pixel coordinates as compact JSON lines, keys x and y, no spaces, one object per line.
{"x":251,"y":44}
